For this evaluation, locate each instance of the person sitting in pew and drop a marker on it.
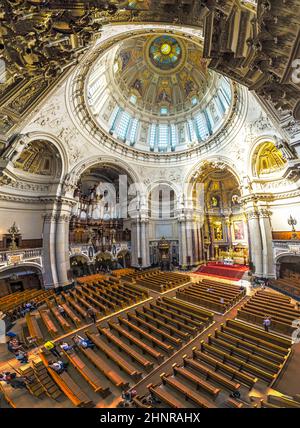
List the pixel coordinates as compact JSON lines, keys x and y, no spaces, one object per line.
{"x":84,"y":343}
{"x":65,"y":346}
{"x":17,"y":382}
{"x":61,"y":311}
{"x":58,"y":366}
{"x":29,"y":307}
{"x":50,"y":346}
{"x":14,"y":345}
{"x":22,"y":356}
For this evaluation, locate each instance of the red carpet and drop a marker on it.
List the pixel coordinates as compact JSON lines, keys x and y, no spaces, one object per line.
{"x":232,"y":272}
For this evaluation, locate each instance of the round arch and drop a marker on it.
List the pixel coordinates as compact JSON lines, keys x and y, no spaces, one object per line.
{"x":216,"y":162}
{"x":47,"y":137}
{"x":254,"y":152}
{"x":20,"y":277}
{"x":95,"y":161}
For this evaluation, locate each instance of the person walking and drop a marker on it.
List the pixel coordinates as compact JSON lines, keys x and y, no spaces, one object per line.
{"x":266,"y":323}
{"x":50,"y":346}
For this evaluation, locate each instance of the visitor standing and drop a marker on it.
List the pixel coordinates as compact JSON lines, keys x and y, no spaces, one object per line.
{"x":267,"y":323}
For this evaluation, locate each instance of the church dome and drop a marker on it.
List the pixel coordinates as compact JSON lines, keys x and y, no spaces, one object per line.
{"x":155,"y":92}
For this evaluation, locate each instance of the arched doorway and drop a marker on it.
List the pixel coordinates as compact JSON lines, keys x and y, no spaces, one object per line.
{"x":288,"y":267}
{"x":162,"y":211}
{"x":20,"y":278}
{"x":79,"y":266}
{"x":124,"y":258}
{"x":99,"y":217}
{"x":103,"y":261}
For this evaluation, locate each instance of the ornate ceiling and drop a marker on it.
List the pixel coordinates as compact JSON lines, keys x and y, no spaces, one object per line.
{"x":154,"y":92}
{"x":268,"y":159}
{"x":161,"y":71}
{"x":253,"y":42}
{"x":39,"y":158}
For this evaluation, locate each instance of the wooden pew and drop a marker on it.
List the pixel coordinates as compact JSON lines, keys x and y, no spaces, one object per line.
{"x":143,"y":334}
{"x":210,"y":374}
{"x":33,"y":328}
{"x":171,"y":319}
{"x":75,"y":305}
{"x":122,"y":346}
{"x":61,"y":320}
{"x":198,"y":381}
{"x":188,"y":393}
{"x":240,"y":364}
{"x":240,"y":353}
{"x":252,"y":339}
{"x":114,"y":356}
{"x":165,"y":396}
{"x":250,"y":347}
{"x":270,"y":337}
{"x":134,"y":340}
{"x":105,"y":369}
{"x":283,"y":401}
{"x":87,"y":373}
{"x":244,"y":378}
{"x":231,"y":402}
{"x":175,"y":315}
{"x":137,"y":401}
{"x":181,"y":310}
{"x":68,"y":386}
{"x":159,"y":323}
{"x":49,"y":324}
{"x":149,"y":327}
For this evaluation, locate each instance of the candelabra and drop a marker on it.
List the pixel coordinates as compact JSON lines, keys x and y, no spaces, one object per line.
{"x":292,"y":222}
{"x":13,"y":231}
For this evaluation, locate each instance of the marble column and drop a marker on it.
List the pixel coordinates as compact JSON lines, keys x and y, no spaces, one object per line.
{"x":255,"y":238}
{"x":62,"y":248}
{"x":134,"y":260}
{"x":266,"y":233}
{"x":143,"y":242}
{"x":189,"y":241}
{"x":49,"y":253}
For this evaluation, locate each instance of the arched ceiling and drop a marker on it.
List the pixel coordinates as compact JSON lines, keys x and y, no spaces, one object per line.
{"x":268,"y":159}
{"x":41,"y":158}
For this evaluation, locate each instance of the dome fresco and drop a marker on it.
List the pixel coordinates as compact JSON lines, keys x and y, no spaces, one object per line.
{"x":155,"y":92}
{"x":165,"y":53}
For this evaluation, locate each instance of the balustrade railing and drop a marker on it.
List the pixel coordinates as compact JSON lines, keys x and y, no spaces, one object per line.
{"x":24,"y":254}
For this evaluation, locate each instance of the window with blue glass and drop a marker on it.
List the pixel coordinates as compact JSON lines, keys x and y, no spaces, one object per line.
{"x":164,"y":111}
{"x":152,"y":136}
{"x":163,"y":137}
{"x":194,"y":101}
{"x":133,"y":132}
{"x":122,"y":126}
{"x":201,"y":125}
{"x":174,"y":136}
